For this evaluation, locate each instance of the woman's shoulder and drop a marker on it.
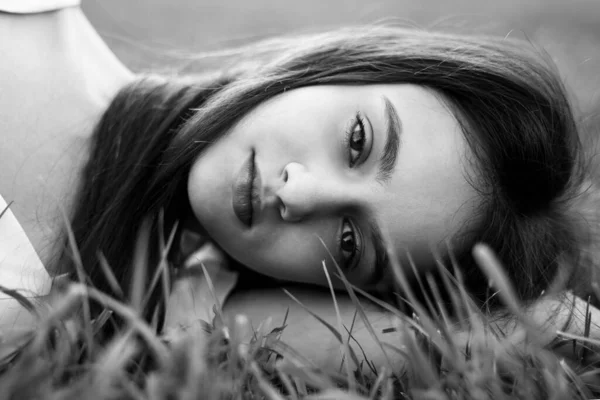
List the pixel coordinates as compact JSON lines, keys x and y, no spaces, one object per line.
{"x":35,"y":6}
{"x":59,"y":77}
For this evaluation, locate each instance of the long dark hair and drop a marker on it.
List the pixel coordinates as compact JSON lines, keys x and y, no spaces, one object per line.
{"x":508,"y":97}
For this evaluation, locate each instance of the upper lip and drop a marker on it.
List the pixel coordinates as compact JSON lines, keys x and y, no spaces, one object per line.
{"x":246,"y":198}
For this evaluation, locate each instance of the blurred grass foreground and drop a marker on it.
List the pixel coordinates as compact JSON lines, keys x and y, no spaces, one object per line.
{"x":66,"y":357}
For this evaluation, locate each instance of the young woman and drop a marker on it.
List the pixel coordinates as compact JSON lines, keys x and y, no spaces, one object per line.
{"x":348,"y":147}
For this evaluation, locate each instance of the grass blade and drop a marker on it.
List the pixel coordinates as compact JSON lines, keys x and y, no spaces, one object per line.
{"x":82,"y":278}
{"x":268,"y":390}
{"x":345,"y":346}
{"x":362,"y":314}
{"x":109,"y":275}
{"x":140,"y":266}
{"x":25,"y":302}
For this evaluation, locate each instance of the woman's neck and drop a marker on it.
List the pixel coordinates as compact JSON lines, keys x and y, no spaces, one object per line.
{"x":102,"y":74}
{"x":64,"y":77}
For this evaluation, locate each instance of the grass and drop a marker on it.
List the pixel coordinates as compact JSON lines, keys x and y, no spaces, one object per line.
{"x":465,"y":357}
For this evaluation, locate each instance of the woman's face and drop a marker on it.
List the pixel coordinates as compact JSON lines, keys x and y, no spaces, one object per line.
{"x":328,"y":171}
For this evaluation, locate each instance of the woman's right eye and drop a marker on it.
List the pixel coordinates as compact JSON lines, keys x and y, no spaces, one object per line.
{"x":356,"y":141}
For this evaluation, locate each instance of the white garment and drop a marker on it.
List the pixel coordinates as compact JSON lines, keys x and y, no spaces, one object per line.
{"x":20,"y":269}
{"x":35,"y":6}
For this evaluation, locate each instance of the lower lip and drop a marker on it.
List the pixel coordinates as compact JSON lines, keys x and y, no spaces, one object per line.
{"x":242,"y":191}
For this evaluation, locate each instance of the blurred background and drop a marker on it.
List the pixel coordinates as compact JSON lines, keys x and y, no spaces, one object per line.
{"x":157,"y":34}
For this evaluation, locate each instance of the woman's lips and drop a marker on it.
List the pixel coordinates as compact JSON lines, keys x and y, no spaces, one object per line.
{"x":243,"y":191}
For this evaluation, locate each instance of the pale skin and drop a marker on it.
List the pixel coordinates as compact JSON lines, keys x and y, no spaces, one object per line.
{"x":47,"y":119}
{"x":315,"y":188}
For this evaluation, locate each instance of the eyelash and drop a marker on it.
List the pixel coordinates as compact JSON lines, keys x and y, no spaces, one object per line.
{"x":358,"y":122}
{"x":356,"y":249}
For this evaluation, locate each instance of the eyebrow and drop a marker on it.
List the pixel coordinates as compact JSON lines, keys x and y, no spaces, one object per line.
{"x":388,"y":159}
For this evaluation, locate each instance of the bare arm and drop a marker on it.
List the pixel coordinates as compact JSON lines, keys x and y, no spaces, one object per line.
{"x":309,"y":336}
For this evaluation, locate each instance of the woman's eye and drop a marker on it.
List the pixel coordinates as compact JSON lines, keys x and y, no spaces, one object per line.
{"x":356,"y":140}
{"x":350,"y":245}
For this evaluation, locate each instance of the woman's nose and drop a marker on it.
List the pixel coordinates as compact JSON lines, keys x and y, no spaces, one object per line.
{"x":305,"y":192}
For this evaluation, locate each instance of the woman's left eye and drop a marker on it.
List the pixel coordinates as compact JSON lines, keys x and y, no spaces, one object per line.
{"x":350,"y":245}
{"x":356,"y":141}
